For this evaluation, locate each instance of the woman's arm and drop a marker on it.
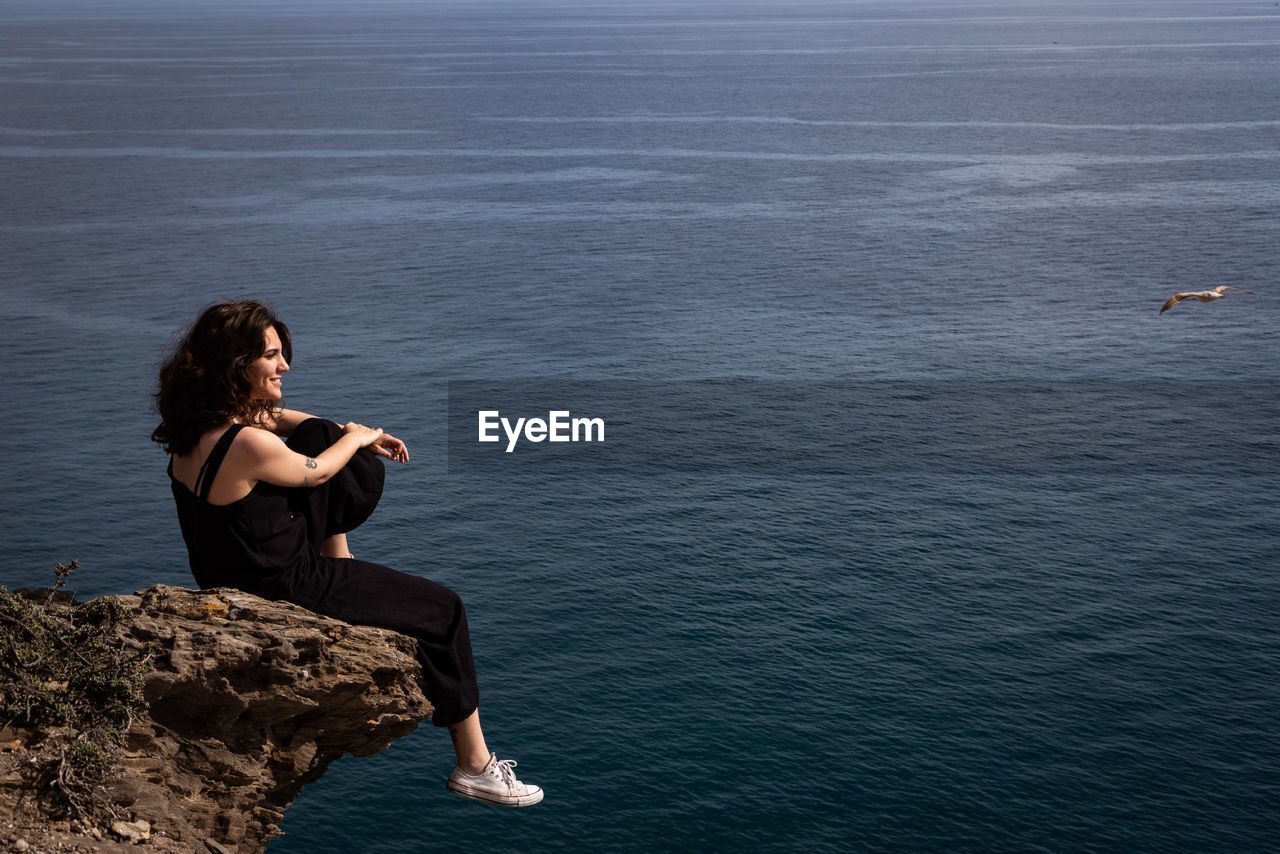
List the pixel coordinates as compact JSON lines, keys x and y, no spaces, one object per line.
{"x":272,"y":461}
{"x":284,"y":421}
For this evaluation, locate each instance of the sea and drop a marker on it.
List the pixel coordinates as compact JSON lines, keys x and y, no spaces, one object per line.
{"x":769,"y":201}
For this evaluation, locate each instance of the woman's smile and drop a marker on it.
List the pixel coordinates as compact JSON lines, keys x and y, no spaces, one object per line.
{"x":267,"y":370}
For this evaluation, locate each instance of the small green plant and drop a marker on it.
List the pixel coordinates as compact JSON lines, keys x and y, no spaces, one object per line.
{"x":66,"y":675}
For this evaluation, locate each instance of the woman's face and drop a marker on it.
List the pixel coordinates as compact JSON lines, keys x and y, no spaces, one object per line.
{"x":264,"y":372}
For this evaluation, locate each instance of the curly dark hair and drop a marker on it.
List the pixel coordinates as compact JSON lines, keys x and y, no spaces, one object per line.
{"x":205,"y":382}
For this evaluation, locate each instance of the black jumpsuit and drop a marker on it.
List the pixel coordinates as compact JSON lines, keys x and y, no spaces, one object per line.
{"x":268,"y":544}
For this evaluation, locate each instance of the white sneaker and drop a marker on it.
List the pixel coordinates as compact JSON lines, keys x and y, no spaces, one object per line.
{"x":496,"y":784}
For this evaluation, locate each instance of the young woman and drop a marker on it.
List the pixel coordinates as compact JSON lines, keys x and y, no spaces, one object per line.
{"x":271,"y":517}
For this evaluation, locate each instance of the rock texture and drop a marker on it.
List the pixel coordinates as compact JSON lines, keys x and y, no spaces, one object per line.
{"x":249,"y":700}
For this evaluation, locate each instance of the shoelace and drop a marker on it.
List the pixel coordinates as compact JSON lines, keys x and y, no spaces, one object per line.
{"x":502,"y":770}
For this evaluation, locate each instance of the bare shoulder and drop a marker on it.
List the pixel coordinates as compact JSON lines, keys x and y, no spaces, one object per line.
{"x":260,"y":442}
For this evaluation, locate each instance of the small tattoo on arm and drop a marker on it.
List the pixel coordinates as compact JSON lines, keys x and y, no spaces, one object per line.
{"x":311,"y":463}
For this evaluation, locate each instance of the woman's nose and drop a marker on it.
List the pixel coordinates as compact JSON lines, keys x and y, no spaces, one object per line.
{"x":283,"y":366}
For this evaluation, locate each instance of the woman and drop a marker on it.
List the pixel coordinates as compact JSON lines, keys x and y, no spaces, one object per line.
{"x":271,"y":517}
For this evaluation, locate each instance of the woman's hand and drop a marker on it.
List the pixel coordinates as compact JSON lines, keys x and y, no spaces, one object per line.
{"x":366,"y":435}
{"x":390,"y":447}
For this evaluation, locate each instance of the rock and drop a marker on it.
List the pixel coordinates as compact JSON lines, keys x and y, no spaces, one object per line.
{"x":131,"y":831}
{"x":247,"y":702}
{"x":21,"y":845}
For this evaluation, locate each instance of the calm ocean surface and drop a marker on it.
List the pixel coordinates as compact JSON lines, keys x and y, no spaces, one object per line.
{"x":785,"y":192}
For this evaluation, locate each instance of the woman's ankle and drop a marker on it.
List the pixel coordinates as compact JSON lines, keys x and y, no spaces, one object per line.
{"x":474,"y":765}
{"x":469,"y":744}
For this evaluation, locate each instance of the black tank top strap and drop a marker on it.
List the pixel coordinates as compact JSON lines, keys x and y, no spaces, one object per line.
{"x":208,"y":471}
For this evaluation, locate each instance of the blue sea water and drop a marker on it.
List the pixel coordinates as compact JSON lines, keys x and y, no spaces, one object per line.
{"x":666,"y":192}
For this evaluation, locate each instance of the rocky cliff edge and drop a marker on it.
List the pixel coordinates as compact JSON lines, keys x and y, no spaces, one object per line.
{"x":246,"y":701}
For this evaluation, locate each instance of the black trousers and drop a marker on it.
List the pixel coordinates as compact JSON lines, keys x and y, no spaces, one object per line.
{"x":369,"y":594}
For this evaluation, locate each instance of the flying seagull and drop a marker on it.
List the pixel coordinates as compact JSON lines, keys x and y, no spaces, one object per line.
{"x":1204,"y":296}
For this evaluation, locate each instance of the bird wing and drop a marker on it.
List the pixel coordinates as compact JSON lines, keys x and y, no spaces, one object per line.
{"x":1174,"y":300}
